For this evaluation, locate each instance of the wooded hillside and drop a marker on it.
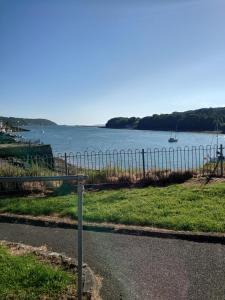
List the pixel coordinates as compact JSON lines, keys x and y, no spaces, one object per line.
{"x":205,"y":119}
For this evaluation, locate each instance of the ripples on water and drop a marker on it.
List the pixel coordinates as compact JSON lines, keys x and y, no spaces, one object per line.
{"x":74,"y":138}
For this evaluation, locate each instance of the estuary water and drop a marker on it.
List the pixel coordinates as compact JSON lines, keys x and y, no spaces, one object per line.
{"x":84,"y":138}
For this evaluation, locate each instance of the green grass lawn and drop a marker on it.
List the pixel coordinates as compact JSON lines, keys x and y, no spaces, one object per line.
{"x":175,"y":207}
{"x":24,"y":277}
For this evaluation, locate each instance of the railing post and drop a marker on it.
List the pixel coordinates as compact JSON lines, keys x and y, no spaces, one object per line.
{"x":80,"y":190}
{"x":66,"y":166}
{"x":143,"y":161}
{"x":221,"y":160}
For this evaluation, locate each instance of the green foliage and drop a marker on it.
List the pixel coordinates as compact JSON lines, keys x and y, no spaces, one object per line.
{"x":176,"y":207}
{"x":38,"y":152}
{"x":121,"y":122}
{"x":6,"y":138}
{"x":24,"y":277}
{"x":15,"y":122}
{"x":33,"y":170}
{"x":205,"y":119}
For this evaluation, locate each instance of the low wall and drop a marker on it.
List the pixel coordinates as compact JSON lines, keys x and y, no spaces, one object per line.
{"x":24,"y":150}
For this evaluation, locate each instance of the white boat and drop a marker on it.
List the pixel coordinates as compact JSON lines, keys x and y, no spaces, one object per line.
{"x":172,"y":140}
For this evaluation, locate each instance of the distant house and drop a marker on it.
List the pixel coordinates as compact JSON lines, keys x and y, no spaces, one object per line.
{"x":4,"y":128}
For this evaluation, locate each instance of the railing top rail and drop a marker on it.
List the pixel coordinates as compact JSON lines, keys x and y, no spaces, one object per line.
{"x":135,"y":150}
{"x":42,"y":178}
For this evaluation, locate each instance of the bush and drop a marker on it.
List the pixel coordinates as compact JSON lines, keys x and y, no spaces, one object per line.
{"x":162,"y":178}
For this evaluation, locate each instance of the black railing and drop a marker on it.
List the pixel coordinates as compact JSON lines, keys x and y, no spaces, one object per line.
{"x":141,"y":162}
{"x":121,"y":166}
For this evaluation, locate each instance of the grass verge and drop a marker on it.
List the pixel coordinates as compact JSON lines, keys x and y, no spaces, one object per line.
{"x":24,"y":277}
{"x":178,"y":207}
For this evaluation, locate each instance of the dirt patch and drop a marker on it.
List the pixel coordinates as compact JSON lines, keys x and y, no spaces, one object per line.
{"x":18,"y":250}
{"x":201,"y":181}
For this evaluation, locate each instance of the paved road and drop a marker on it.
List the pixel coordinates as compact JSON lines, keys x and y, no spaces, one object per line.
{"x":138,"y":267}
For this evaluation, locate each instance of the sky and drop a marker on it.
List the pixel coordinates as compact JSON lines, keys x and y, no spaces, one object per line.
{"x":86,"y":61}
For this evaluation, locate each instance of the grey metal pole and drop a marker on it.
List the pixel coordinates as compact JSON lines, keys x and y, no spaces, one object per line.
{"x":80,"y":190}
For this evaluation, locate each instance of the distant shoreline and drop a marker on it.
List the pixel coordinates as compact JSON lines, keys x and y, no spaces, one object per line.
{"x":131,"y":129}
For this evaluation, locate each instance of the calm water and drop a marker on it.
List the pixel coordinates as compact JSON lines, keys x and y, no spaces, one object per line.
{"x":73,"y":138}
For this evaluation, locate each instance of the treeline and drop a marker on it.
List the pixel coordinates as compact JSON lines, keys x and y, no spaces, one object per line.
{"x":15,"y":122}
{"x":205,"y":119}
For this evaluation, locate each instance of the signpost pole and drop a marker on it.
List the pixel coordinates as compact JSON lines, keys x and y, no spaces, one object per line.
{"x":80,"y":190}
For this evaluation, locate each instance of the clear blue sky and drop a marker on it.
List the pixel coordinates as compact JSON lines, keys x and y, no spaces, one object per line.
{"x":85,"y":61}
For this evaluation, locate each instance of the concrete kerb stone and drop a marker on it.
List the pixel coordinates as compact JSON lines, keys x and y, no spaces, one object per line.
{"x":92,"y":284}
{"x":204,"y":237}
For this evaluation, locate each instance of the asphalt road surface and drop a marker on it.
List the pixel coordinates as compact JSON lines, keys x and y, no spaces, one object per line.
{"x":135,"y":267}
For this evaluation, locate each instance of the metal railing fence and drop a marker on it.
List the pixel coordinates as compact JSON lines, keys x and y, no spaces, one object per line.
{"x":141,"y":163}
{"x":118,"y":166}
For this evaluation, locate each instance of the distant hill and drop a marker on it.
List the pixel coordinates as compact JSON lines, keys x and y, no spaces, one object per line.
{"x":15,"y":122}
{"x":204,"y":119}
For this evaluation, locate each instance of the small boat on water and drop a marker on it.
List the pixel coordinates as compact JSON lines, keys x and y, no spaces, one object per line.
{"x":172,"y":140}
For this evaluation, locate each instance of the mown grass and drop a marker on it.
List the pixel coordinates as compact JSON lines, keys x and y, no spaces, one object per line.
{"x":177,"y":207}
{"x":24,"y":277}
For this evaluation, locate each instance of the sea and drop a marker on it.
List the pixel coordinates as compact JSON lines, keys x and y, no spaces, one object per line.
{"x":89,"y":138}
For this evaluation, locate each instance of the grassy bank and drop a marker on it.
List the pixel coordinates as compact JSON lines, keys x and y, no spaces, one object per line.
{"x":177,"y":207}
{"x":24,"y":277}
